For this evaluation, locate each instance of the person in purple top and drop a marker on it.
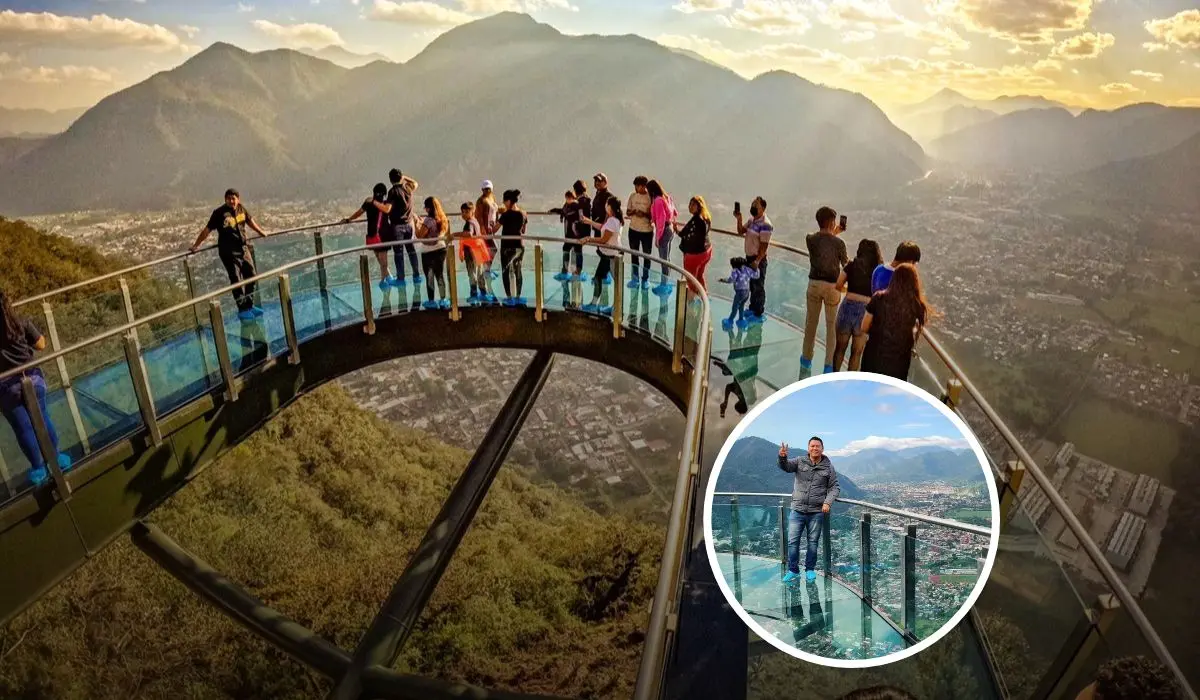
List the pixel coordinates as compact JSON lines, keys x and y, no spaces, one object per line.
{"x":906,"y":252}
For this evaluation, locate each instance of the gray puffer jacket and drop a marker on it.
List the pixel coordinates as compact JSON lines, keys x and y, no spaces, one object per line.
{"x":816,"y":484}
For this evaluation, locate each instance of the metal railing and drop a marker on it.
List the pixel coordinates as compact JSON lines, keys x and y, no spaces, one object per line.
{"x":906,"y":626}
{"x":1009,"y":475}
{"x":664,"y":607}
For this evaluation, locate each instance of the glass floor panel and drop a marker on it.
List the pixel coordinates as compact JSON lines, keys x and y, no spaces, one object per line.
{"x":823,"y":617}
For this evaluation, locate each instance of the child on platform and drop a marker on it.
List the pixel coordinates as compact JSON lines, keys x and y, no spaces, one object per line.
{"x":739,"y":277}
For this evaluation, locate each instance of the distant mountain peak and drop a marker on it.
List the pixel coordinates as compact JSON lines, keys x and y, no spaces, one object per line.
{"x":502,"y":27}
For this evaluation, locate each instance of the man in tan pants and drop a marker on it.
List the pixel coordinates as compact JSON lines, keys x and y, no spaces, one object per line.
{"x":827,"y":256}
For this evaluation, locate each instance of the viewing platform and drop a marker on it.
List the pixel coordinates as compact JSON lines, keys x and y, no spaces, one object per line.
{"x":153,"y":376}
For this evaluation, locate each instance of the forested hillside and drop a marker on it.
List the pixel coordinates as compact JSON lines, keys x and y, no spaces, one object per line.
{"x":317,"y":514}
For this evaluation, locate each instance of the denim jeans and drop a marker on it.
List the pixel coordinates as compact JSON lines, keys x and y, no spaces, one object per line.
{"x":404,"y":232}
{"x":740,"y":297}
{"x":12,"y":404}
{"x":803,"y":525}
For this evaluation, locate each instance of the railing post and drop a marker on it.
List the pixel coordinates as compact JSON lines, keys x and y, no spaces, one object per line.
{"x":189,"y":276}
{"x":733,"y":513}
{"x":908,"y":592}
{"x":289,"y":318}
{"x":953,"y":393}
{"x":1009,"y":490}
{"x":618,"y":310}
{"x":364,"y":278}
{"x":141,"y":387}
{"x":452,"y":280}
{"x":65,"y":377}
{"x":865,"y":560}
{"x":49,"y":454}
{"x":1075,"y":653}
{"x":783,"y":535}
{"x":539,"y":286}
{"x":680,"y":326}
{"x":322,"y":279}
{"x":127,"y":298}
{"x":217,"y":321}
{"x":826,"y":530}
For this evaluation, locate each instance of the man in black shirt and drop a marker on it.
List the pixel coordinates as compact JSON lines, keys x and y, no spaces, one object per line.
{"x":230,"y":222}
{"x":398,"y":207}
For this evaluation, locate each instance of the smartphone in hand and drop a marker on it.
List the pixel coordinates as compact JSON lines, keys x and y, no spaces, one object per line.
{"x":842,"y":223}
{"x":737,"y":208}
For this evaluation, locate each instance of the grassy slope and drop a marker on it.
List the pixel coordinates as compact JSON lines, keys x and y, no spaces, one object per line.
{"x":317,"y":514}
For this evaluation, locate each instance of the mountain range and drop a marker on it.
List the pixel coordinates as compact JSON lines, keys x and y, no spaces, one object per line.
{"x":948,"y":111}
{"x":36,"y":122}
{"x":1167,"y":182}
{"x":1057,"y":141}
{"x":911,"y":465}
{"x":344,"y":57}
{"x":752,"y":467}
{"x":541,"y":111}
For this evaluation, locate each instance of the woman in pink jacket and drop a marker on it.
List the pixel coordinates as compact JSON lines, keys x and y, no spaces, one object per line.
{"x":663,"y":214}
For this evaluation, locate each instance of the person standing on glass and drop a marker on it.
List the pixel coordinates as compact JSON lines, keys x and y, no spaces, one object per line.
{"x":815,"y":490}
{"x":695,"y":244}
{"x":826,"y":258}
{"x":19,"y":340}
{"x":399,"y":210}
{"x":599,"y":210}
{"x":230,"y":221}
{"x":487,"y":213}
{"x":513,"y":222}
{"x":641,"y":232}
{"x":663,"y":214}
{"x":757,"y":234}
{"x":378,"y":226}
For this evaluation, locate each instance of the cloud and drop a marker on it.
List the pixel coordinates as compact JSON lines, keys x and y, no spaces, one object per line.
{"x":491,"y":7}
{"x":855,"y":36}
{"x":689,"y":6}
{"x":243,"y":7}
{"x":885,"y":408}
{"x":1021,"y":21}
{"x":300,"y":36}
{"x":95,"y":32}
{"x":419,"y":13}
{"x":891,"y":443}
{"x":1154,"y":47}
{"x":878,"y":16}
{"x":1081,"y":46}
{"x":58,"y":75}
{"x":913,"y":426}
{"x":1152,"y":77}
{"x":887,"y":390}
{"x":188,"y":30}
{"x":770,"y":17}
{"x":1182,"y":30}
{"x":1118,"y":89}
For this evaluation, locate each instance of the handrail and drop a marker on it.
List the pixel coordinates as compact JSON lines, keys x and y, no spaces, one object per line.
{"x":1056,"y":500}
{"x":271,"y":274}
{"x":160,"y":261}
{"x":932,"y":520}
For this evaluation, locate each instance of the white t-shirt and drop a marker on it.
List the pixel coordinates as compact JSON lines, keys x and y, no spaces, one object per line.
{"x":434,"y":241}
{"x":613,"y":224}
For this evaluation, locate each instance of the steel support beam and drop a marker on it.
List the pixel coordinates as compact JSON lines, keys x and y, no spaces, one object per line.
{"x":908,"y":586}
{"x":381,"y":643}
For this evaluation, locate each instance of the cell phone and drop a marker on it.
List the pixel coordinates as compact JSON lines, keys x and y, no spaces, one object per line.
{"x":843,"y":223}
{"x":737,"y":208}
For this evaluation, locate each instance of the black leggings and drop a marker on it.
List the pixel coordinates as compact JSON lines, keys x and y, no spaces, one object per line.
{"x":510,"y":261}
{"x":602,"y":269}
{"x":569,"y":250}
{"x":434,"y":264}
{"x":640,"y":240}
{"x":240,"y":266}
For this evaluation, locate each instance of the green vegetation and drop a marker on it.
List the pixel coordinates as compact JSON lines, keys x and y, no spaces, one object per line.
{"x":975,"y":517}
{"x":317,"y":514}
{"x":1123,"y":437}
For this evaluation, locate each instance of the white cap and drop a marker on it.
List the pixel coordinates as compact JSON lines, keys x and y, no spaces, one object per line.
{"x":487,"y":185}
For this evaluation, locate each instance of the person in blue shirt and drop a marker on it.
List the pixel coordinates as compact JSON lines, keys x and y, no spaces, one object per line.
{"x":739,"y":277}
{"x":906,"y":252}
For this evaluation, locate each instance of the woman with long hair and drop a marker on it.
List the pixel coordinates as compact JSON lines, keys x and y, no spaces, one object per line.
{"x":19,"y":340}
{"x":694,"y":242}
{"x":855,"y":281}
{"x":662,"y":214}
{"x":434,"y":229}
{"x":610,"y":234}
{"x":894,"y":320}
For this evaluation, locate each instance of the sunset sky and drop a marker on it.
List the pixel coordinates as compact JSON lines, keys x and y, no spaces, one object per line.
{"x":1096,"y":53}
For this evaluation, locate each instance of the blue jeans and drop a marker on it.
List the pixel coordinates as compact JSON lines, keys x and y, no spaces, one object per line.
{"x":740,"y":297}
{"x":404,"y":232}
{"x":798,"y":525}
{"x":12,"y":404}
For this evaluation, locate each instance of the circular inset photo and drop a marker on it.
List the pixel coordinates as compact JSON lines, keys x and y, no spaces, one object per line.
{"x":852,"y":520}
